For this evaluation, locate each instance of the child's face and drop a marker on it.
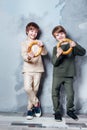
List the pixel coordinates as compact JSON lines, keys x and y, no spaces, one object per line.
{"x":32,"y":33}
{"x":59,"y":36}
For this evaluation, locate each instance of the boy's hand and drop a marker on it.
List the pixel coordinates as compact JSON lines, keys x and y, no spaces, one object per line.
{"x":40,"y":44}
{"x":31,"y":55}
{"x":59,"y":51}
{"x":72,"y":44}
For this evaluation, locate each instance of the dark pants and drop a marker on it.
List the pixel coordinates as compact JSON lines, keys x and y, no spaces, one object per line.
{"x":68,"y":84}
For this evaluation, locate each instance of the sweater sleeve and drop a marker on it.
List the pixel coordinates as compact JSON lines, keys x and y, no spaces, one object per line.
{"x":79,"y":50}
{"x":44,"y":51}
{"x":56,"y":60}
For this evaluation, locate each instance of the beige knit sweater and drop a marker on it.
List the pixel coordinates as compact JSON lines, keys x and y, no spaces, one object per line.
{"x":35,"y":64}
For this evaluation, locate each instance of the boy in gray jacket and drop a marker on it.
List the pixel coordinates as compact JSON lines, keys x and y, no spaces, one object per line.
{"x":64,"y":72}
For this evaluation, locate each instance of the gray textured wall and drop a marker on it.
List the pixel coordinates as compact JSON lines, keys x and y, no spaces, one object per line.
{"x":48,"y":13}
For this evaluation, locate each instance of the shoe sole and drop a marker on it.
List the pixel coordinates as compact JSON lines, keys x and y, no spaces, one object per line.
{"x":38,"y":114}
{"x":29,"y":117}
{"x":73,"y":118}
{"x":58,"y":120}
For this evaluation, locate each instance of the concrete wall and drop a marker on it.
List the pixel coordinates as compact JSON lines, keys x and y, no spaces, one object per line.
{"x":14,"y":16}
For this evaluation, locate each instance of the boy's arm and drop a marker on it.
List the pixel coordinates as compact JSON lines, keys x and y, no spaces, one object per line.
{"x":44,"y":51}
{"x":79,"y":50}
{"x":56,"y":60}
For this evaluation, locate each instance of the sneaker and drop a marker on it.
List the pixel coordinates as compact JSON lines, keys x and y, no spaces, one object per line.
{"x":72,"y":115}
{"x":58,"y":116}
{"x":30,"y":114}
{"x":37,"y":110}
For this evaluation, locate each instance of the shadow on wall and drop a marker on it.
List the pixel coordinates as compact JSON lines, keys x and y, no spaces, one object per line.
{"x":21,"y":96}
{"x":80,"y":62}
{"x":46,"y":61}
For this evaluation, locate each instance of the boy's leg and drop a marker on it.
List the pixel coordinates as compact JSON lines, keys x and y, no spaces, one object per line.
{"x":70,"y":93}
{"x":29,"y":90}
{"x":70,"y":98}
{"x":56,"y":93}
{"x":56,"y":97}
{"x":36,"y":83}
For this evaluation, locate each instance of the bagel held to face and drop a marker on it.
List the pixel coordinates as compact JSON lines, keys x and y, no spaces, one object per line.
{"x":60,"y":35}
{"x":32,"y":33}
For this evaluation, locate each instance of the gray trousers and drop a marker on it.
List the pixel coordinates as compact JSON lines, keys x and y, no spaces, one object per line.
{"x":68,"y":84}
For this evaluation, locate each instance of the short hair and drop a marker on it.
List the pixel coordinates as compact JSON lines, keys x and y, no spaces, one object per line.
{"x":32,"y":25}
{"x":58,"y":29}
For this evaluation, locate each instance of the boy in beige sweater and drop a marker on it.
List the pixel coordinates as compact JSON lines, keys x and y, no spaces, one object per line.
{"x":32,"y":69}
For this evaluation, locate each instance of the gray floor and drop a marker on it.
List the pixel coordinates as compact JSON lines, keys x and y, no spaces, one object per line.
{"x":13,"y":121}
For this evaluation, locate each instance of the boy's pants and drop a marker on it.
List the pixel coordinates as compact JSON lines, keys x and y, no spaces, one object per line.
{"x":68,"y":84}
{"x":31,"y":86}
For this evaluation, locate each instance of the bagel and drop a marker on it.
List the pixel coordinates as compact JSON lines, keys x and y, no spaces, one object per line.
{"x":65,"y":40}
{"x":30,"y":48}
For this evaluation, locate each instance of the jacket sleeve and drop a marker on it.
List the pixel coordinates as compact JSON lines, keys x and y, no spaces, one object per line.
{"x":78,"y":50}
{"x":56,"y":60}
